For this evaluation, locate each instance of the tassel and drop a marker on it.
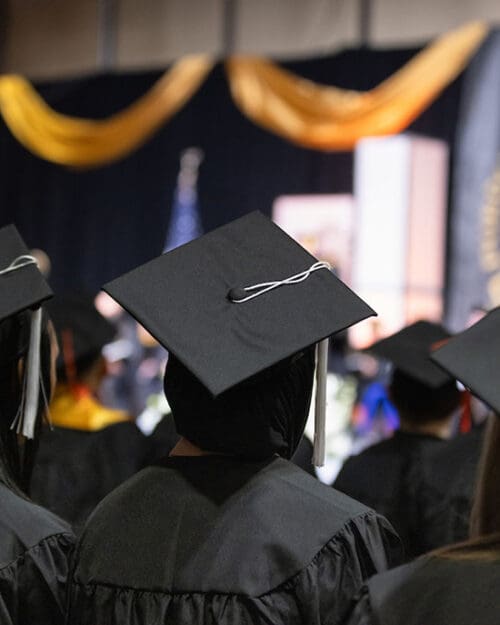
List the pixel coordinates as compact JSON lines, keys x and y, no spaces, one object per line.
{"x":26,"y":420}
{"x":320,"y":403}
{"x":466,"y":412}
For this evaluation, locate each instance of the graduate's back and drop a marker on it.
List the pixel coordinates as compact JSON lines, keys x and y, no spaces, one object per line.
{"x":211,"y":539}
{"x":435,"y":590}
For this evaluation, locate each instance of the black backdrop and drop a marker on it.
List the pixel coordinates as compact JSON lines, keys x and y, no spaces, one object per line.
{"x":98,"y":223}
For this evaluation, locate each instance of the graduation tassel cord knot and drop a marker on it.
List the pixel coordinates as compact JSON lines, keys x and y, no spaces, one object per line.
{"x":239,"y":295}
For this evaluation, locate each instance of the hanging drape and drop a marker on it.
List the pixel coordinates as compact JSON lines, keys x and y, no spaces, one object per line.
{"x":305,"y":113}
{"x":91,"y":143}
{"x":327,"y":118}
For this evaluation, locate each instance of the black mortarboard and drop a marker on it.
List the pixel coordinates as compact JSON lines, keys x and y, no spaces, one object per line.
{"x":473,"y":357}
{"x":409,"y":351}
{"x":22,"y":286}
{"x":80,"y":328}
{"x":186,"y":300}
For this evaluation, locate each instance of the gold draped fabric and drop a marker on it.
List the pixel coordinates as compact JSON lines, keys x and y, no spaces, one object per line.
{"x":91,"y":143}
{"x":298,"y":110}
{"x":328,"y":118}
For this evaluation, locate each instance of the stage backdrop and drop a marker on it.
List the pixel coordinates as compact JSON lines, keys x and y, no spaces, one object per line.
{"x":97,"y":224}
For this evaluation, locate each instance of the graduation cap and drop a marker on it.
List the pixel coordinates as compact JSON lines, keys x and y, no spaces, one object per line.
{"x":23,"y":287}
{"x":409,"y":351}
{"x":81,"y":330}
{"x":473,"y":357}
{"x":238,"y":300}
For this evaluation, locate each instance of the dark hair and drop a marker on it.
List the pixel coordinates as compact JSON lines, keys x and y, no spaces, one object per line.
{"x":417,"y":402}
{"x":82,"y":366}
{"x":17,"y":458}
{"x":260,"y":417}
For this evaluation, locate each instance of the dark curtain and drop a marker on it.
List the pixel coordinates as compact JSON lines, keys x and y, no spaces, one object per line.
{"x":98,"y":223}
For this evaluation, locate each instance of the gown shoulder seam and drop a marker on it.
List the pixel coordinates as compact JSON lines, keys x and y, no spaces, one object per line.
{"x":28,"y":550}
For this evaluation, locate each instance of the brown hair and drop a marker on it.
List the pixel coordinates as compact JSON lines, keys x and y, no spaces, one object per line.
{"x":484,"y":548}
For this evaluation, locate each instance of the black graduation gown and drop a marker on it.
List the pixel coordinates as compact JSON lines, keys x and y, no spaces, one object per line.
{"x":211,"y":539}
{"x":34,"y":550}
{"x":443,"y":490}
{"x":380,"y":477}
{"x":432,"y":591}
{"x":75,"y":469}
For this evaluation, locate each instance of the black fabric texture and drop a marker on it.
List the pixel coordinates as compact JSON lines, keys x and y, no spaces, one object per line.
{"x":264,"y":416}
{"x":381,"y":477}
{"x":215,"y":540}
{"x":303,"y":456}
{"x":162,"y":439}
{"x":432,"y":591}
{"x":95,"y":224}
{"x":442,"y":487}
{"x":75,"y":469}
{"x":35,"y":547}
{"x":14,"y":338}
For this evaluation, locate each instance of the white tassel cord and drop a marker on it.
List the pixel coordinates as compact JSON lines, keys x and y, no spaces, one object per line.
{"x":320,"y":403}
{"x":26,"y":420}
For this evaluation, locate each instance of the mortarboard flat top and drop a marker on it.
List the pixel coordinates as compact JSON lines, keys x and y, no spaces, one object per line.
{"x":473,"y":357}
{"x":77,"y":314}
{"x":409,"y":350}
{"x":23,"y":288}
{"x":181,"y":298}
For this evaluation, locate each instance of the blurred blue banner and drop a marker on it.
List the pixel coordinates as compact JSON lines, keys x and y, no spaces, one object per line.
{"x":474,"y":244}
{"x":185,"y":222}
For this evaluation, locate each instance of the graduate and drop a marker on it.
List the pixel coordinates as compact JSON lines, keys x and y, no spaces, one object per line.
{"x":34,"y":543}
{"x":458,"y":584}
{"x":226,"y":529}
{"x":442,"y":489}
{"x":89,"y":449}
{"x":426,"y":398}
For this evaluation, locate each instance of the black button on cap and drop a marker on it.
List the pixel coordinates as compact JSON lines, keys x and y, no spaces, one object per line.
{"x":237,"y":294}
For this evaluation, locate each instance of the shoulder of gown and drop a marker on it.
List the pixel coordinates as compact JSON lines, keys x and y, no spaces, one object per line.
{"x":35,"y":546}
{"x":75,"y":469}
{"x":272,"y":541}
{"x":431,"y":590}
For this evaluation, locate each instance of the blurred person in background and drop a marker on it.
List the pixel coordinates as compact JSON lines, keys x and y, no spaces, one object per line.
{"x":457,"y":584}
{"x":90,"y":448}
{"x":443,"y":485}
{"x":426,"y":399}
{"x":34,"y":543}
